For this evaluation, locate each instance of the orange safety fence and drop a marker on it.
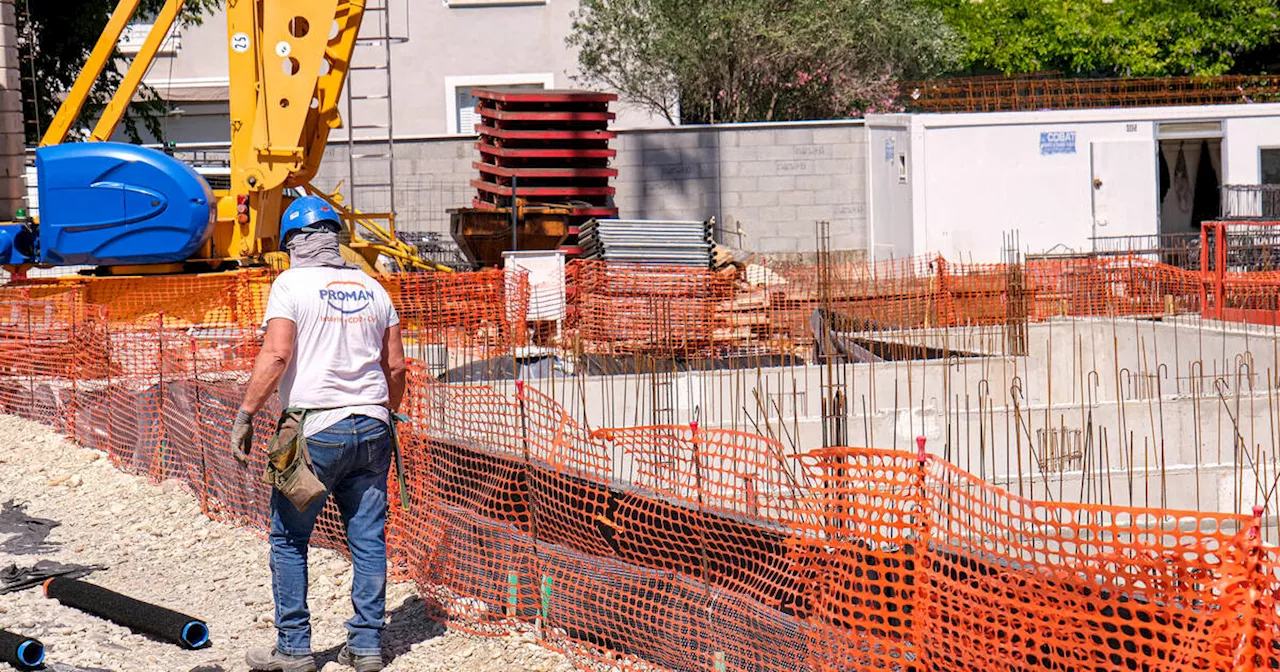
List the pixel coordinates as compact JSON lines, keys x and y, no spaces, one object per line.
{"x":685,"y":546}
{"x":621,"y":309}
{"x":625,"y":309}
{"x":1252,"y":297}
{"x":477,"y":312}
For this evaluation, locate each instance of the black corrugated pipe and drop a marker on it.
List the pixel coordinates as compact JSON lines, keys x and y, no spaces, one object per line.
{"x":136,"y":615}
{"x":21,"y":652}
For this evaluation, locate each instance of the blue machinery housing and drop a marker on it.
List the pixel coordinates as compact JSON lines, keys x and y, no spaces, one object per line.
{"x":111,"y":204}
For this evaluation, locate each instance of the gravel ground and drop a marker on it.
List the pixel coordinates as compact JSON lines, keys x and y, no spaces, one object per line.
{"x":158,"y":547}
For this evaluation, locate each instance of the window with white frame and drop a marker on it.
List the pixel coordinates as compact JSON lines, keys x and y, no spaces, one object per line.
{"x":461,"y":105}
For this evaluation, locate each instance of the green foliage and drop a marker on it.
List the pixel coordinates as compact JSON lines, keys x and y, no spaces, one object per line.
{"x":54,"y":41}
{"x":1139,"y":38}
{"x":759,"y":60}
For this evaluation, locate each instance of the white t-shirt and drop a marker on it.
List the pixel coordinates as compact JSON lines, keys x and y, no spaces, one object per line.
{"x":341,"y":315}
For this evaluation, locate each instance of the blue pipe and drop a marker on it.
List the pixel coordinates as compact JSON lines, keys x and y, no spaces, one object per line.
{"x":31,"y":653}
{"x":20,"y":651}
{"x":195,"y":634}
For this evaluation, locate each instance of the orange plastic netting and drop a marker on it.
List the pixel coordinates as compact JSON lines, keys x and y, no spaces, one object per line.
{"x":684,"y":546}
{"x":621,"y":309}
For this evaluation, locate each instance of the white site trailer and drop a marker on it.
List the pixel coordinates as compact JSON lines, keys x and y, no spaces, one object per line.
{"x":957,"y":184}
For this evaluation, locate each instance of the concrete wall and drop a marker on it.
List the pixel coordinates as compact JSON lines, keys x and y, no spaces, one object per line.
{"x":766,"y":184}
{"x":1054,"y":425}
{"x":1176,"y":452}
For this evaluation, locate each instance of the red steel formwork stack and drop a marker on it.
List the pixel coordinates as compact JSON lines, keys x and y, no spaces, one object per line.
{"x":549,"y":147}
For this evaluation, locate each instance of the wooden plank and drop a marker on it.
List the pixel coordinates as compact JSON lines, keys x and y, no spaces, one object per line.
{"x":753,"y":300}
{"x":747,"y":319}
{"x":732,"y":333}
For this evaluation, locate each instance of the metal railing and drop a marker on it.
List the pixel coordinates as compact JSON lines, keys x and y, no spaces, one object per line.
{"x":1251,"y":201}
{"x":1176,"y":249}
{"x":1247,"y":248}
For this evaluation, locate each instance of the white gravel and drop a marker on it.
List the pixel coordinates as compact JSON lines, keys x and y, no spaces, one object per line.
{"x":159,"y":547}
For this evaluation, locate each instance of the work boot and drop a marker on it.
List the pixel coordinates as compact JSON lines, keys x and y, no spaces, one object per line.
{"x":271,"y":660}
{"x":361,"y":663}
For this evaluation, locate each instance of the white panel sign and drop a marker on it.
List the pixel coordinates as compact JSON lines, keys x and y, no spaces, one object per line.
{"x":546,"y":281}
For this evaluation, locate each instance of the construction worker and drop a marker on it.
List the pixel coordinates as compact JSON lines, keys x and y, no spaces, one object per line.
{"x":333,"y":345}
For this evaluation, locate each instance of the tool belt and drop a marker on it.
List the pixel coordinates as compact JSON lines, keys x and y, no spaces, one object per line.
{"x":289,"y":466}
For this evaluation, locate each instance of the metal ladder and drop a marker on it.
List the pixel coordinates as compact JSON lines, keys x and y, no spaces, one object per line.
{"x":377,"y":155}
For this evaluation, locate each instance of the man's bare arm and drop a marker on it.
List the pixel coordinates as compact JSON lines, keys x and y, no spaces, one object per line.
{"x":277,"y":352}
{"x":393,"y":366}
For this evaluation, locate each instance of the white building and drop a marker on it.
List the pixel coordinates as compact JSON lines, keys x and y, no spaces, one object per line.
{"x":956,"y":184}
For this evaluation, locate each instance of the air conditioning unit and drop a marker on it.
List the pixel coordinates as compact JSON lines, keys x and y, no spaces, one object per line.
{"x":136,"y":33}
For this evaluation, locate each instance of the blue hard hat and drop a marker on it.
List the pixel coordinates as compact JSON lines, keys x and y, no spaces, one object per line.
{"x":308,"y":212}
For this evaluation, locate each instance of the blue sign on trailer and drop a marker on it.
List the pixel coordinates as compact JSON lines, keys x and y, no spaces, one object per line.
{"x":1057,"y":142}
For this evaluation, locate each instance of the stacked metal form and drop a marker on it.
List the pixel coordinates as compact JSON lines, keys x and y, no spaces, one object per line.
{"x":546,"y":147}
{"x":658,"y":242}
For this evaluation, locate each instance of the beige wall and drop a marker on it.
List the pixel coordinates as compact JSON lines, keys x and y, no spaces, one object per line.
{"x":201,"y":60}
{"x":446,"y":44}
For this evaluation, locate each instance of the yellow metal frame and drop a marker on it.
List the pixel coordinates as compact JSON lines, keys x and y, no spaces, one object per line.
{"x":384,"y":239}
{"x":288,"y":62}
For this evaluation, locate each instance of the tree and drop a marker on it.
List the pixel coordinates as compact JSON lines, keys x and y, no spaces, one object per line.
{"x":54,"y":41}
{"x":759,"y":60}
{"x":1110,"y":38}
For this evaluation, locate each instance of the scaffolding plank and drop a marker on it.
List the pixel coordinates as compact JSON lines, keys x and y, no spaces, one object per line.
{"x":545,"y":153}
{"x":511,"y":95}
{"x":541,"y":192}
{"x":545,"y":134}
{"x":545,"y":115}
{"x":544,"y":173}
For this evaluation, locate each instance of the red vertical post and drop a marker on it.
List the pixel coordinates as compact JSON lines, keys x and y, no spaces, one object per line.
{"x":924,"y":601}
{"x":1204,"y":270}
{"x":1220,"y":270}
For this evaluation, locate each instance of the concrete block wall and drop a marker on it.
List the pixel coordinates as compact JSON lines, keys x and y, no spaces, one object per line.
{"x":767,"y":185}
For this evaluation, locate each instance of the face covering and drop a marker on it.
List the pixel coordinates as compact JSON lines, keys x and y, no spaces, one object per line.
{"x":311,"y":248}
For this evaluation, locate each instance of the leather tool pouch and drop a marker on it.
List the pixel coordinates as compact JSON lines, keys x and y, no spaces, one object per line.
{"x":289,"y":468}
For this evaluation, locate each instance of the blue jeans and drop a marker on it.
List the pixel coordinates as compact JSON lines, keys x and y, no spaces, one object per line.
{"x":351,"y":458}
